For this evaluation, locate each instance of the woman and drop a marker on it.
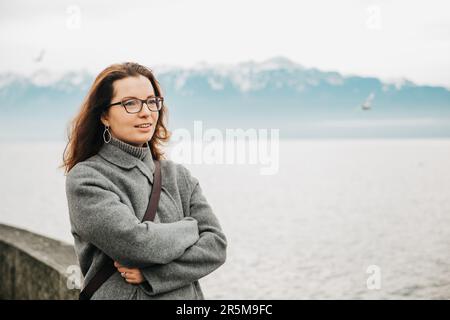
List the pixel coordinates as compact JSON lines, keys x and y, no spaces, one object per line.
{"x":109,"y":162}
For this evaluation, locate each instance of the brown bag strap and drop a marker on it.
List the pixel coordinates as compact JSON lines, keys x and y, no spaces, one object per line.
{"x":108,"y":269}
{"x":154,"y":196}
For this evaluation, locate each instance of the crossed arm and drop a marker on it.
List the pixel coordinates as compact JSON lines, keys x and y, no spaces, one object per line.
{"x":98,"y":216}
{"x":207,"y":254}
{"x":168,"y":255}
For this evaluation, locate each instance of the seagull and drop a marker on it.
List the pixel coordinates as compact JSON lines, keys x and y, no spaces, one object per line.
{"x":367,"y":104}
{"x":40,"y":56}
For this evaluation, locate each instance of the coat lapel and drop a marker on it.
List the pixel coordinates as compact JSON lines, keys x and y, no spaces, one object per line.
{"x":127,"y":161}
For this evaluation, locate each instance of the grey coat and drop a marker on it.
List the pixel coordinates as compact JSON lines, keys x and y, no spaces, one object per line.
{"x":107,"y":197}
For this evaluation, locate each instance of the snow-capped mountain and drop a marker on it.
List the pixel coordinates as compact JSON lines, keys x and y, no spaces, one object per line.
{"x":276,"y":93}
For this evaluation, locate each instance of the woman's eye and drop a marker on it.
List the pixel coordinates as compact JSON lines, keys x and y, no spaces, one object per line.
{"x":130,"y":103}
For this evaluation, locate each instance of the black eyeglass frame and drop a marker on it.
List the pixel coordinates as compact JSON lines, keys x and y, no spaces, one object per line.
{"x":122,"y":102}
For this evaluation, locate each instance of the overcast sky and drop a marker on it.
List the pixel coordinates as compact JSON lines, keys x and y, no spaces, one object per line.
{"x":386,"y":39}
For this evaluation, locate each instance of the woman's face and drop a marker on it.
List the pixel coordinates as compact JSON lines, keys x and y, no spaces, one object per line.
{"x":122,"y":124}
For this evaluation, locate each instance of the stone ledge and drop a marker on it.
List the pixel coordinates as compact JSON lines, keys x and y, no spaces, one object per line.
{"x":33,"y":266}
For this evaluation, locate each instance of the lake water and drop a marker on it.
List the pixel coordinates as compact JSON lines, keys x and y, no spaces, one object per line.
{"x":342,"y":219}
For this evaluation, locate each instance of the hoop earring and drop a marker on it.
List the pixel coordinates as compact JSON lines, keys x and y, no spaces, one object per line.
{"x":109,"y":133}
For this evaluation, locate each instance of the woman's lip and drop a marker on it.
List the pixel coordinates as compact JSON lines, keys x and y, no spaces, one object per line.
{"x":142,"y":124}
{"x":145,"y":129}
{"x":137,"y":126}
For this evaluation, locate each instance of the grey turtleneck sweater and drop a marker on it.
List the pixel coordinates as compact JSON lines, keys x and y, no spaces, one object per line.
{"x":138,"y":152}
{"x":108,"y":195}
{"x":142,"y":153}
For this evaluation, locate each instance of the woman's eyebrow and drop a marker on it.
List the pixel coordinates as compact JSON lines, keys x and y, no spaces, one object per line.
{"x":132,"y":97}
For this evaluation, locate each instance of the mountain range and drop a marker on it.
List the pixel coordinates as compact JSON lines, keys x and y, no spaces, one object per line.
{"x":274,"y":94}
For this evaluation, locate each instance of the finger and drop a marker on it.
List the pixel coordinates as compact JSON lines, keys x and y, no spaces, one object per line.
{"x":132,"y":275}
{"x":128,"y":268}
{"x":128,"y":275}
{"x":131,"y":280}
{"x":137,"y":281}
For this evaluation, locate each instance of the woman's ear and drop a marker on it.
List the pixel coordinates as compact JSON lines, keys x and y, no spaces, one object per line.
{"x":104,"y":119}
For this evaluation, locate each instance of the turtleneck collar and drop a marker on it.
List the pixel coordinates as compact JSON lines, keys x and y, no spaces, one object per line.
{"x":128,"y":156}
{"x":138,"y":152}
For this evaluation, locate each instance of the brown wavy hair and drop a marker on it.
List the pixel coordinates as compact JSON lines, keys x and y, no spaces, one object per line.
{"x":85,"y":131}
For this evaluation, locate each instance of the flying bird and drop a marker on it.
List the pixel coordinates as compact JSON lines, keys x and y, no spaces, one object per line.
{"x":367,"y":105}
{"x":40,"y":56}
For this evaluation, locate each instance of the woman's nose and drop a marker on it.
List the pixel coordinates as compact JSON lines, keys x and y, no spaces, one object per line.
{"x":145,"y":109}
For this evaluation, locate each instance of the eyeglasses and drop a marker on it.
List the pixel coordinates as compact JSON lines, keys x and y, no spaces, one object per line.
{"x":134,"y":105}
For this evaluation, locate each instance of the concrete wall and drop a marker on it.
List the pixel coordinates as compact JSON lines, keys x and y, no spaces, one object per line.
{"x":35,"y":267}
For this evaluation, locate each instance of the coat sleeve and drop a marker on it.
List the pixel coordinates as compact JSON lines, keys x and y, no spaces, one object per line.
{"x":205,"y":256}
{"x":98,"y":216}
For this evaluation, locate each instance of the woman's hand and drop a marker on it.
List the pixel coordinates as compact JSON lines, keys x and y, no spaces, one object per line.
{"x":133,"y":276}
